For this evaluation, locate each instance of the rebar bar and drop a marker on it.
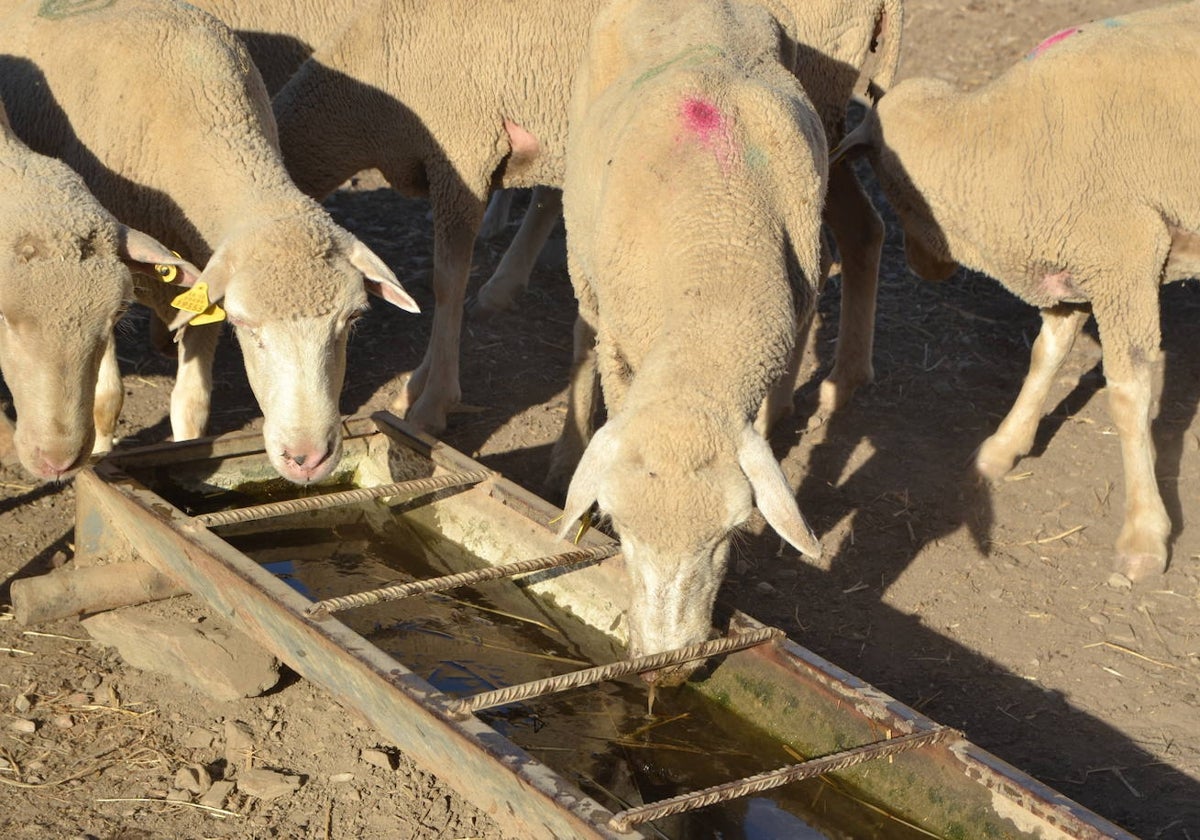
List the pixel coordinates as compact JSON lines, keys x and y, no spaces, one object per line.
{"x":624,"y":820}
{"x":467,"y":706}
{"x":345,"y":497}
{"x":320,"y":609}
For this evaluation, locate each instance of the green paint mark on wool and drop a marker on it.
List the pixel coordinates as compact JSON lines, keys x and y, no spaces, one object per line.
{"x":689,"y":57}
{"x":59,"y":9}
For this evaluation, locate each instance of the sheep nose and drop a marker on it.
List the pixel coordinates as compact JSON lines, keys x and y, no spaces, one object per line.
{"x":53,"y":465}
{"x":306,"y":460}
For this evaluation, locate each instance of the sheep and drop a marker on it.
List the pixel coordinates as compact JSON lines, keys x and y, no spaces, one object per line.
{"x":388,"y":92}
{"x":64,"y":281}
{"x":695,"y":176}
{"x":1064,"y":179}
{"x":157,"y":105}
{"x":280,"y":35}
{"x":847,"y":49}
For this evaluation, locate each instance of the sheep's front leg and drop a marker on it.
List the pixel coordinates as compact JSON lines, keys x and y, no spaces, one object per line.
{"x":192,"y":394}
{"x":434,"y":389}
{"x":581,"y":406}
{"x":858,"y":232}
{"x":1014,"y":438}
{"x":780,"y":400}
{"x":8,"y":446}
{"x":1130,"y":341}
{"x":511,"y":277}
{"x":110,"y":397}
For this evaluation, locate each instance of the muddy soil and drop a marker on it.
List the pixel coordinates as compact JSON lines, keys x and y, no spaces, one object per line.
{"x":988,"y":608}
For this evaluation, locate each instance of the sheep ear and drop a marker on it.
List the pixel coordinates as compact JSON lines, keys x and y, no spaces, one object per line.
{"x":216,"y":275}
{"x":855,"y":144}
{"x":585,"y":483}
{"x":773,"y":495}
{"x":378,"y":279}
{"x":146,"y":251}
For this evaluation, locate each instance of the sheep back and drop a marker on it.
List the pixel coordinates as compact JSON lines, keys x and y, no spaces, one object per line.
{"x":183,"y":79}
{"x":1043,"y":169}
{"x":695,"y":182}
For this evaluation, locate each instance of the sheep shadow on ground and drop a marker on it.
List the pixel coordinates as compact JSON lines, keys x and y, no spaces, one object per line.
{"x":889,"y":486}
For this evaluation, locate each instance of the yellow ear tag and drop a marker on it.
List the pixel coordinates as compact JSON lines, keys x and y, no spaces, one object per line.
{"x":194,"y":299}
{"x":585,"y":524}
{"x":212,"y":315}
{"x":168,"y":273}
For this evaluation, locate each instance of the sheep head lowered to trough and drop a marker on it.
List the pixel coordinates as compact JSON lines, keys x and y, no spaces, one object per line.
{"x":706,"y":482}
{"x":292,"y":288}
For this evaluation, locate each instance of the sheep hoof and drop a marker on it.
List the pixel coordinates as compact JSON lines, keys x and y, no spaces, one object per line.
{"x":1141,"y":556}
{"x":1140,"y":566}
{"x":491,"y":301}
{"x":836,"y":394}
{"x":993,"y":460}
{"x":484,"y":308}
{"x":426,"y":416}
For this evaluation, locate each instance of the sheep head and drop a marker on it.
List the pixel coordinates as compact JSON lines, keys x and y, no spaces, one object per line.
{"x":62,"y":289}
{"x":675,"y":492}
{"x":293,"y":287}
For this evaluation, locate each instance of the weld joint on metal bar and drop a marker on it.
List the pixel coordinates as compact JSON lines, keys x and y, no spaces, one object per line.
{"x":345,"y":497}
{"x":625,"y":820}
{"x":466,"y":706}
{"x":321,"y":609}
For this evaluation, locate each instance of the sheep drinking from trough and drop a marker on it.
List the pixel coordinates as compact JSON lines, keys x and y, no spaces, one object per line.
{"x":64,"y":281}
{"x":696,"y":171}
{"x":1066,"y":179}
{"x":391,"y":91}
{"x":388,"y":90}
{"x":157,"y":105}
{"x":846,"y":49}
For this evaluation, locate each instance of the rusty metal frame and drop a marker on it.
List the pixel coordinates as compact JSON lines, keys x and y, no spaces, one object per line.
{"x":119,"y":517}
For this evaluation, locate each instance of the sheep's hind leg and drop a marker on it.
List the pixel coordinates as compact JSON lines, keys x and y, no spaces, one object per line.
{"x":511,"y":277}
{"x":495,"y":218}
{"x":1130,"y":340}
{"x":1014,"y":437}
{"x":858,"y":232}
{"x":433,"y":389}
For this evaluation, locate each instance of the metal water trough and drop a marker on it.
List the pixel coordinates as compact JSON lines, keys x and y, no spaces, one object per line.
{"x":932,"y":777}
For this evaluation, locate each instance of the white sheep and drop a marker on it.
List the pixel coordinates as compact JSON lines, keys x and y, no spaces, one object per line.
{"x":846,"y":49}
{"x":280,"y":35}
{"x":1067,"y":179}
{"x":157,"y":105}
{"x":390,"y":92}
{"x":64,"y":281}
{"x":384,"y":91}
{"x":696,"y":173}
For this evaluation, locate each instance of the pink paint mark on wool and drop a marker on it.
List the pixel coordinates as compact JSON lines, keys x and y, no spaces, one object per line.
{"x":701,"y":117}
{"x":704,"y":121}
{"x":1056,"y":38}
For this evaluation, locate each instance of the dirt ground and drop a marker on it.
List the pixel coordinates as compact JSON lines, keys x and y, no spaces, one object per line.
{"x":990,"y":609}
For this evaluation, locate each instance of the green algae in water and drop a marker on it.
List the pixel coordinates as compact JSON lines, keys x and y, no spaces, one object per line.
{"x":195,"y":497}
{"x":602,"y":738}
